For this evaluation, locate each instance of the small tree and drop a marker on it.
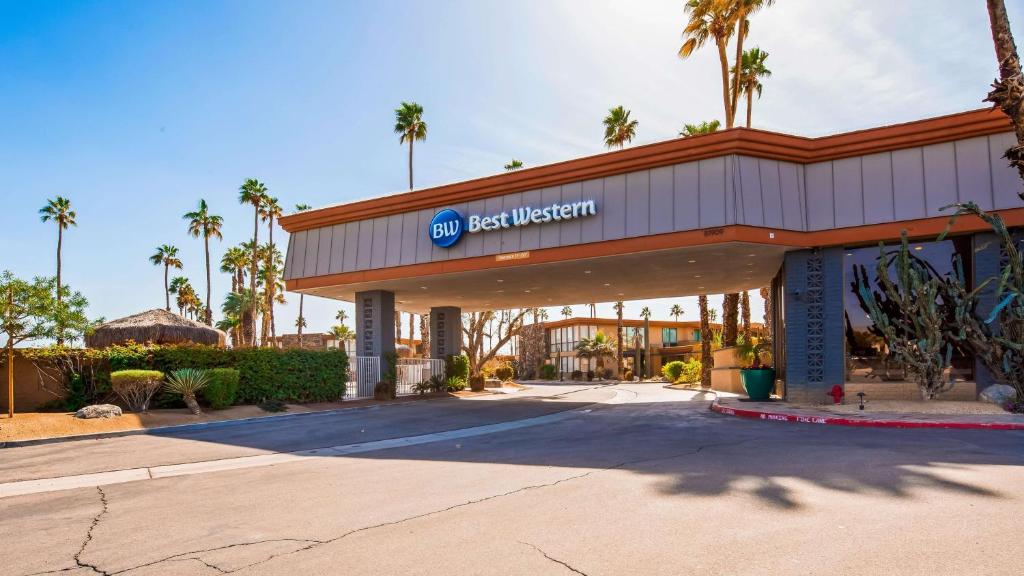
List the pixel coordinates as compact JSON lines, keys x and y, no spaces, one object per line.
{"x":26,"y":313}
{"x":909,"y":313}
{"x":596,"y":348}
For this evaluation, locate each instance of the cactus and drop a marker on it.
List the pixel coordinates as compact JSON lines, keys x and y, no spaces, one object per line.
{"x":996,"y":338}
{"x":912,"y":315}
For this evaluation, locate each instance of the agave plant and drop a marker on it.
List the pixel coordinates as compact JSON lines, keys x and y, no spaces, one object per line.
{"x":186,"y":382}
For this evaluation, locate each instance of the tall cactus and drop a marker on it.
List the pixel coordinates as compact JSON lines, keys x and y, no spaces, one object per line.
{"x":995,"y":337}
{"x":910,"y":314}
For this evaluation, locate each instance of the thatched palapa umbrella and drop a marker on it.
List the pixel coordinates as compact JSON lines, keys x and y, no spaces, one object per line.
{"x":157,"y":326}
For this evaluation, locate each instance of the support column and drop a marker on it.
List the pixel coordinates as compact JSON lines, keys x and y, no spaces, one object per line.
{"x":815,"y":342}
{"x":445,"y":331}
{"x":375,"y":323}
{"x":987,"y":260}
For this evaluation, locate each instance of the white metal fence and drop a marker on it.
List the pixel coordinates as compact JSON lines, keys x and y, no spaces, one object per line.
{"x":412,"y":371}
{"x":365,"y":373}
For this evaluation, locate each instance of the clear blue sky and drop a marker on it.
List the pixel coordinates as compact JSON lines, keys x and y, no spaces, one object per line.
{"x":135,"y":110}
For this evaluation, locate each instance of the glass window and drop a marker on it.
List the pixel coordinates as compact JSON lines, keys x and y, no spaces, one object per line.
{"x":696,"y":335}
{"x":668,"y":337}
{"x":867,"y":357}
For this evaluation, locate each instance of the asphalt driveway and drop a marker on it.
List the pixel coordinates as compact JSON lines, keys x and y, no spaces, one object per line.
{"x":630,"y":479}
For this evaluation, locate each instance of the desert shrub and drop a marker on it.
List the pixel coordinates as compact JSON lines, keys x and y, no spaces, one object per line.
{"x":434,"y":384}
{"x":576,"y":375}
{"x":187,"y":382}
{"x":628,"y":376}
{"x":273,"y":406}
{"x":385,"y":390}
{"x":457,"y":366}
{"x":455,"y":383}
{"x":548,"y":371}
{"x":608,"y":374}
{"x":690,"y":371}
{"x":222,"y":388}
{"x":504,"y":373}
{"x":672,"y":370}
{"x":590,"y":375}
{"x":136,"y":387}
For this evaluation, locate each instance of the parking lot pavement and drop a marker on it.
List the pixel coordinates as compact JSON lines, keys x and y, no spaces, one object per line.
{"x":639,"y":480}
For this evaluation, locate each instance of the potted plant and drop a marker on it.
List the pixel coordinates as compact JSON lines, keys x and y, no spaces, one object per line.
{"x":756,"y":374}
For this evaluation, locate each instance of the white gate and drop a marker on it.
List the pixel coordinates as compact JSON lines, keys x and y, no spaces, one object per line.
{"x":411,"y":371}
{"x":364,"y":377}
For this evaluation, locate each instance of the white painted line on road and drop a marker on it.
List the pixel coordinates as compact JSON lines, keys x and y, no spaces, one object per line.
{"x":23,"y":487}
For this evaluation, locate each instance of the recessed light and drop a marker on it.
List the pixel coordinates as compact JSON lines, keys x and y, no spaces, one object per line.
{"x":527,"y":291}
{"x":621,"y":294}
{"x":918,"y":247}
{"x":500,"y":280}
{"x":696,"y":275}
{"x":500,"y":291}
{"x":700,"y":287}
{"x":423,"y":287}
{"x":607,"y":284}
{"x":586,"y":271}
{"x":692,"y":261}
{"x":751,"y":255}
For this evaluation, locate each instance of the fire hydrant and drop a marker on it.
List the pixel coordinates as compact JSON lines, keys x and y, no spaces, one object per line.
{"x":837,"y":394}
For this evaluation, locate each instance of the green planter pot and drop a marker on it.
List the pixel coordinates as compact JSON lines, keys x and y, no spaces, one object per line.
{"x":758,"y":382}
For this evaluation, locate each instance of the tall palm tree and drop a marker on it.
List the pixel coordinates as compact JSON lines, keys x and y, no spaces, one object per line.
{"x":744,"y":10}
{"x":712,"y":20}
{"x":566,"y":311}
{"x":618,"y":128}
{"x":409,"y":125}
{"x":412,"y":323}
{"x":730,"y":318}
{"x":234,"y":261}
{"x":341,"y":316}
{"x":705,"y":342}
{"x":300,"y":322}
{"x":619,"y":306}
{"x":268,"y":211}
{"x":270,"y":272}
{"x":705,"y":127}
{"x":254,"y":193}
{"x":752,"y":70}
{"x":59,"y":211}
{"x":166,"y":256}
{"x":513,"y":165}
{"x":676,"y":311}
{"x":202,"y":223}
{"x":1007,"y":91}
{"x":745,"y":315}
{"x":236,"y":309}
{"x":593,"y":309}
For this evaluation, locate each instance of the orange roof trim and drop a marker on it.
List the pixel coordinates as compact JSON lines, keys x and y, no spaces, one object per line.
{"x":745,"y":141}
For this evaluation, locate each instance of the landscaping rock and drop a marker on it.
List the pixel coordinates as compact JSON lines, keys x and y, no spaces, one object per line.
{"x":998,"y":394}
{"x":98,"y":411}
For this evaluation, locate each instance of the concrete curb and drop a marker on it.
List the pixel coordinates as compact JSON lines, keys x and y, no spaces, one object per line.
{"x":195,"y":426}
{"x":854,"y":422}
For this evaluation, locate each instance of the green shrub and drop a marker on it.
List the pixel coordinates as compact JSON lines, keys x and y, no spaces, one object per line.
{"x":187,"y":382}
{"x":456,"y":383}
{"x":628,"y":376}
{"x":577,"y":375}
{"x":457,"y":366}
{"x":590,"y":375}
{"x":690,"y":371}
{"x":548,"y":371}
{"x":504,"y":373}
{"x":435,"y":384}
{"x":222,"y":388}
{"x":136,"y":387}
{"x":273,"y":406}
{"x":291,"y":375}
{"x":672,"y":370}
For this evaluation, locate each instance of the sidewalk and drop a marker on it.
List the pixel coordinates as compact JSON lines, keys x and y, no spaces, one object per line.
{"x":783,"y":412}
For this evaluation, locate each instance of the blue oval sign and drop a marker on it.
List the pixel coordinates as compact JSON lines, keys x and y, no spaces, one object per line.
{"x":446,"y":228}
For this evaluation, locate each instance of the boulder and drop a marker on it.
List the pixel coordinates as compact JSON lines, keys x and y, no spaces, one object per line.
{"x":98,"y":411}
{"x":998,"y":394}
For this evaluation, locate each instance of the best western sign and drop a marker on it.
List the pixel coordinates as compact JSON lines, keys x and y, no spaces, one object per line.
{"x":448,"y":225}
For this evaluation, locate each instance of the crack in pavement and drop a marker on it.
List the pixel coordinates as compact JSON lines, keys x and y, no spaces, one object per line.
{"x":553,"y":559}
{"x":88,"y":535}
{"x":201,"y":561}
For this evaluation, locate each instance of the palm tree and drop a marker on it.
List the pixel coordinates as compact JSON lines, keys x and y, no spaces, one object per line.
{"x":341,"y":316}
{"x":745,"y":315}
{"x":237,"y":309}
{"x":270,"y":272}
{"x":676,"y":311}
{"x":1007,"y":91}
{"x":566,"y":311}
{"x":409,"y":125}
{"x":59,"y":210}
{"x":513,"y":165}
{"x":618,"y":128}
{"x":268,"y":211}
{"x":597,"y":348}
{"x":300,"y":322}
{"x":593,"y":309}
{"x":706,"y":127}
{"x":167,"y":256}
{"x":744,"y":9}
{"x":619,"y":306}
{"x":730,"y":318}
{"x":253,"y":192}
{"x":713,"y":20}
{"x":177,"y":287}
{"x":202,"y":223}
{"x":234,"y":261}
{"x":752,"y":70}
{"x":645,"y":313}
{"x":705,"y":342}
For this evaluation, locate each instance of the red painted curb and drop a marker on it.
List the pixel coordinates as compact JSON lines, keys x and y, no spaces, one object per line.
{"x":841,"y":421}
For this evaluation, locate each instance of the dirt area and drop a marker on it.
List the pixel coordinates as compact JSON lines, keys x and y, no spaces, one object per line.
{"x":910,"y":407}
{"x":32,"y":425}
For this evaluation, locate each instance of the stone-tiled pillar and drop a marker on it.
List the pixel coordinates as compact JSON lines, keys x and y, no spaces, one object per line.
{"x":815,"y":343}
{"x":445,"y":331}
{"x":375,"y":323}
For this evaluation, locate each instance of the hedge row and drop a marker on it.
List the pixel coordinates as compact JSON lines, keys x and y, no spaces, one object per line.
{"x":290,"y":375}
